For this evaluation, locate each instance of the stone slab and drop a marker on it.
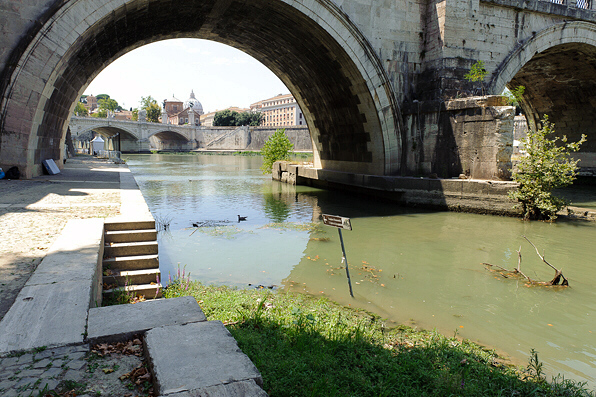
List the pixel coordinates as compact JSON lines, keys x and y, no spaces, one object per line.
{"x":247,"y":388}
{"x":46,"y":315}
{"x":51,"y":166}
{"x":115,"y":323}
{"x":73,"y":256}
{"x":196,"y":356}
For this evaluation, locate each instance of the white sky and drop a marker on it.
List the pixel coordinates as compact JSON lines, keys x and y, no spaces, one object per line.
{"x":221,"y":76}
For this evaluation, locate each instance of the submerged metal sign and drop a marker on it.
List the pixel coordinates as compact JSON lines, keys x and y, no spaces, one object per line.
{"x":340,"y":223}
{"x":337,"y":221}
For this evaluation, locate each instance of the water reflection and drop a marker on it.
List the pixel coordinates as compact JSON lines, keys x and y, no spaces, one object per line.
{"x":276,"y":208}
{"x":411,"y":266}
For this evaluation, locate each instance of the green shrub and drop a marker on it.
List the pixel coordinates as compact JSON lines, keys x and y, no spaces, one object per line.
{"x":276,"y":148}
{"x":477,"y":73}
{"x":546,"y":166}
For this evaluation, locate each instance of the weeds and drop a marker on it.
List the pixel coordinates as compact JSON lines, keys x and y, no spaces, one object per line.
{"x":306,"y":346}
{"x":162,"y":222}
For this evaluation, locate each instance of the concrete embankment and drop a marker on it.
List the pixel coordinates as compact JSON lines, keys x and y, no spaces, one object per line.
{"x":479,"y":196}
{"x":465,"y":195}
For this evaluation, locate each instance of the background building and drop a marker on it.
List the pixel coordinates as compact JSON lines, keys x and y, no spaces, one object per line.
{"x":90,"y":103}
{"x":207,"y":119}
{"x":180,"y":113}
{"x":125,"y":115}
{"x":173,"y":106}
{"x":279,"y":111}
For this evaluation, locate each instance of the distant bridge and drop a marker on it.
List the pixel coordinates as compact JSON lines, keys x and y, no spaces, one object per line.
{"x":140,"y":136}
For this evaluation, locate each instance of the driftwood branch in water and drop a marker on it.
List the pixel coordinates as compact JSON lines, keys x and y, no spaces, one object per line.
{"x":559,"y":279}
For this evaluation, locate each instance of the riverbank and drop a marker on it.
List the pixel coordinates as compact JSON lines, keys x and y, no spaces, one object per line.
{"x":305,"y":346}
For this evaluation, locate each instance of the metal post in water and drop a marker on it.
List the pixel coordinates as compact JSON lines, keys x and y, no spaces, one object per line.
{"x":343,"y":250}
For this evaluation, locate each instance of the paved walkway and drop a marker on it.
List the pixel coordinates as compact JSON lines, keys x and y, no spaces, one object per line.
{"x":28,"y":374}
{"x":34,"y":212}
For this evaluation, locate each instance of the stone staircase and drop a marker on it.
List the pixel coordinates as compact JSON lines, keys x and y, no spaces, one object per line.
{"x":130,"y":259}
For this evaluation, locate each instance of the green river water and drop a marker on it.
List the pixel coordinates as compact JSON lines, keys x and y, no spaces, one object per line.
{"x":411,"y":266}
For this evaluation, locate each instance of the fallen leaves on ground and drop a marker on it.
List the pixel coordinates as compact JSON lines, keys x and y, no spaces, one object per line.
{"x":141,"y":377}
{"x":127,"y":348}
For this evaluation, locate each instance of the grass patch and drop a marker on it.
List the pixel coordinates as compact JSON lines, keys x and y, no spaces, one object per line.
{"x":307,"y":346}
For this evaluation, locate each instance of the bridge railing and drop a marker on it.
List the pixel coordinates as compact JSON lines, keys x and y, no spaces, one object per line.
{"x":572,"y":8}
{"x":583,"y":4}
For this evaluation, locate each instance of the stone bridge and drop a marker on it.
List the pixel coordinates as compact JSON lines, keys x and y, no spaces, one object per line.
{"x":135,"y":136}
{"x":142,"y":136}
{"x":375,"y":79}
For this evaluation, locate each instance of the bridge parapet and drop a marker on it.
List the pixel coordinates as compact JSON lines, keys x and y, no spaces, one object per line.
{"x":577,"y":9}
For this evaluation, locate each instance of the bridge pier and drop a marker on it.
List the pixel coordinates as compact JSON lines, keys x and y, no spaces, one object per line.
{"x":470,"y":137}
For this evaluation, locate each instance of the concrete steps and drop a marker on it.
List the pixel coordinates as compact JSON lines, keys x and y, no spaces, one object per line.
{"x":130,"y":249}
{"x":134,"y":262}
{"x":113,"y":225}
{"x":130,"y":260}
{"x":131,"y":277}
{"x":149,"y":291}
{"x":124,"y":236}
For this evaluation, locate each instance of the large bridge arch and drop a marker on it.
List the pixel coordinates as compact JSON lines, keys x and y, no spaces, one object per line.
{"x":167,"y":139}
{"x":312,"y":46}
{"x":558,"y":68}
{"x":168,"y":132}
{"x":121,"y":139}
{"x":104,"y":128}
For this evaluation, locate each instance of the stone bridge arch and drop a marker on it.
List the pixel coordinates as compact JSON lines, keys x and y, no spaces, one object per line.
{"x":312,"y":46}
{"x":557,"y":66}
{"x":104,"y":129}
{"x":119,"y":138}
{"x":169,"y":139}
{"x":170,"y":132}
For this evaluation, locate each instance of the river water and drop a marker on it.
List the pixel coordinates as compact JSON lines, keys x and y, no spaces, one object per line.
{"x":411,"y":266}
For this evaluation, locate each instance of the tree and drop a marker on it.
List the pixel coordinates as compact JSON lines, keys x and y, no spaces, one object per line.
{"x":275,"y":149}
{"x":153,"y":113}
{"x":146,"y":101}
{"x":151,"y":107}
{"x":102,"y":96}
{"x":546,"y":166}
{"x":477,"y":73}
{"x":254,"y":118}
{"x":80,"y":109}
{"x":108,"y":104}
{"x":228,"y":118}
{"x":135,"y":115}
{"x":225,"y":118}
{"x":249,"y":118}
{"x":515,"y":95}
{"x":242,"y":119}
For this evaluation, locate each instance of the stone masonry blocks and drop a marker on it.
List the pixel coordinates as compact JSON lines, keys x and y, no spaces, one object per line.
{"x":196,"y":343}
{"x":114,"y":323}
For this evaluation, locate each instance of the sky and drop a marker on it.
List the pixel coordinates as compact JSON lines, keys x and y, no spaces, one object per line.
{"x":221,"y":76}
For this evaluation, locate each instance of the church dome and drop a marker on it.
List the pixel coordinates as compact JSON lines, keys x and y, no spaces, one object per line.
{"x":194,"y":103}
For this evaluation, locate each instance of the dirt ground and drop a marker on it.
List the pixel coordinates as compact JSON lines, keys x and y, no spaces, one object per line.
{"x":34,"y":212}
